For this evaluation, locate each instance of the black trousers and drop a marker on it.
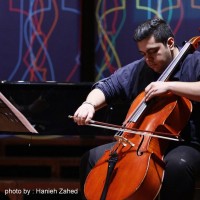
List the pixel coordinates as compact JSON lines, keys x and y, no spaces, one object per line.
{"x":181,"y":170}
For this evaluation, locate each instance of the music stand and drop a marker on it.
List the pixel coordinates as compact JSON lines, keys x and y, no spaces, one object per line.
{"x":11,"y":119}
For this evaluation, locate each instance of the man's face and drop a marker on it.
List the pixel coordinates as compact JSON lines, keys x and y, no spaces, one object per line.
{"x":156,"y":54}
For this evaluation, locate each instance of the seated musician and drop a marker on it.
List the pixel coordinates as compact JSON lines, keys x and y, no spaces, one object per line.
{"x":156,"y":43}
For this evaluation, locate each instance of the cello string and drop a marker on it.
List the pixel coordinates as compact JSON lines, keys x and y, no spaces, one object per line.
{"x":136,"y":113}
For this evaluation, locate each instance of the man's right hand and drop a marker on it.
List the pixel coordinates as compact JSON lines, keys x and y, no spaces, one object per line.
{"x":84,"y":113}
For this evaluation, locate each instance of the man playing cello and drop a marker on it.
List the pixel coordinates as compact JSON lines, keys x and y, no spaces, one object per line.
{"x":156,"y":44}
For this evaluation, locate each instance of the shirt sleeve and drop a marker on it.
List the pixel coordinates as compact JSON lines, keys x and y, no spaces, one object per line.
{"x":119,"y":86}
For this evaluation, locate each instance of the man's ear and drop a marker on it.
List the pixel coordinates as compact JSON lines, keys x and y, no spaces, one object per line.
{"x":170,"y":43}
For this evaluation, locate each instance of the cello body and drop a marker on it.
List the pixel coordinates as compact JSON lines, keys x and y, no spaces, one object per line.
{"x":139,"y":171}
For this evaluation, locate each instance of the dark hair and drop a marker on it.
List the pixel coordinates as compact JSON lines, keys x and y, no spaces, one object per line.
{"x":156,"y":27}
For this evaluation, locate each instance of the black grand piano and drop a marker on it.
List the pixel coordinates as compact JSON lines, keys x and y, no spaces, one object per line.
{"x":47,"y":105}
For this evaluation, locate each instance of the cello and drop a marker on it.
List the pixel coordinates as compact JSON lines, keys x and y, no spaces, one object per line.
{"x":134,"y":167}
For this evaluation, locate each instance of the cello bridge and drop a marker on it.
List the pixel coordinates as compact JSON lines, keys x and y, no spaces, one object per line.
{"x":124,"y":141}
